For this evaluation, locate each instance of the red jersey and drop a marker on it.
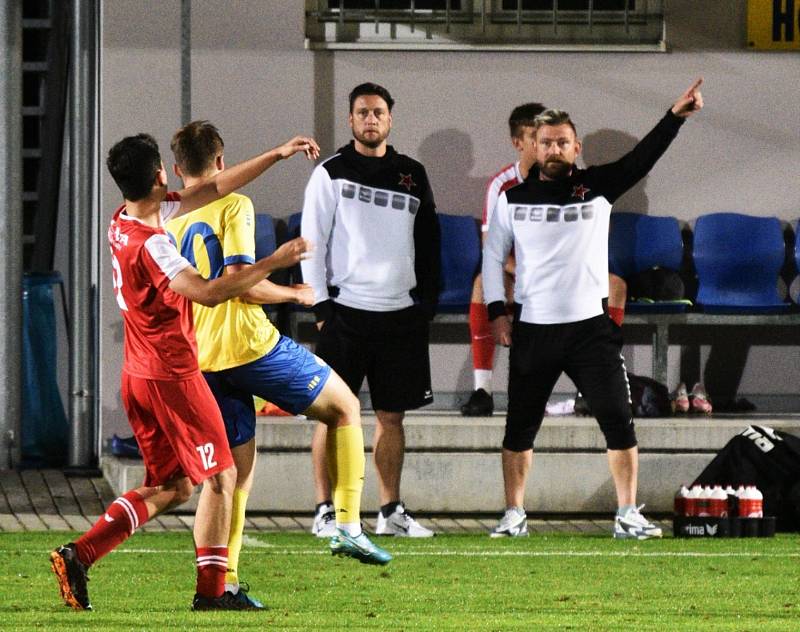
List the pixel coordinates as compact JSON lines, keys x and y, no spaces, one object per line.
{"x":159,"y":330}
{"x":509,"y":176}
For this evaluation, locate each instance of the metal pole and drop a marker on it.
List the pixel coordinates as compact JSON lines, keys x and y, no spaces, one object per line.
{"x":186,"y":61}
{"x":81,"y":100}
{"x":99,"y":243}
{"x":11,"y":227}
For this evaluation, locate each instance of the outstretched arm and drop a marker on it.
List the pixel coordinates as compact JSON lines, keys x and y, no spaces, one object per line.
{"x":191,"y":284}
{"x":268,"y":293}
{"x":614,"y":178}
{"x":233,"y":178}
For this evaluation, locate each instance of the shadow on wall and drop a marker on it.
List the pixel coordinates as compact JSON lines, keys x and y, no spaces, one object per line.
{"x":448,"y":157}
{"x":608,"y":145}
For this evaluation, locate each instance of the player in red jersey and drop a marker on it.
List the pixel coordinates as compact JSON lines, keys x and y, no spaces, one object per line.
{"x":173,"y":414}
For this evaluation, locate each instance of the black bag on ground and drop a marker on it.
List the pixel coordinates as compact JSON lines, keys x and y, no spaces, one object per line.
{"x":649,"y":398}
{"x":656,"y":284}
{"x":768,"y":459}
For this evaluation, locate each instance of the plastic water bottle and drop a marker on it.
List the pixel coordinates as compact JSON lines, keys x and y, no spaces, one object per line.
{"x":680,"y":501}
{"x":692,"y":500}
{"x":753,"y":506}
{"x":733,"y":501}
{"x":703,"y":502}
{"x":718,"y":502}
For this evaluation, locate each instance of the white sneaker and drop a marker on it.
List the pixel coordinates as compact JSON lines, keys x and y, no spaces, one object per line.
{"x":402,"y":524}
{"x":324,"y":522}
{"x":513,"y":524}
{"x":634,"y":525}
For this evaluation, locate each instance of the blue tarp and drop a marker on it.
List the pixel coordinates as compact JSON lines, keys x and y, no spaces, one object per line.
{"x":45,"y":430}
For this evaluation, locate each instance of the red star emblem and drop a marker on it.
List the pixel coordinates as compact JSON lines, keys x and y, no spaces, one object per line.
{"x":579,"y":191}
{"x":406,"y":181}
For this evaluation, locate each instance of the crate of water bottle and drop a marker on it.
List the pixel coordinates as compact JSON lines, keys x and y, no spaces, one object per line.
{"x":721,"y":511}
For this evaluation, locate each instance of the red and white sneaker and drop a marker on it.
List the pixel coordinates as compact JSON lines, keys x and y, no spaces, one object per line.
{"x":680,"y":400}
{"x":699,"y":401}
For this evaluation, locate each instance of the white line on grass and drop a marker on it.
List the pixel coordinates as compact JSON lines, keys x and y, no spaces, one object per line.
{"x":452,"y":553}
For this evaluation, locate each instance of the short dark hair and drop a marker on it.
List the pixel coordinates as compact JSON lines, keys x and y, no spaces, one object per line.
{"x":133,"y":163}
{"x":554,"y":117}
{"x":523,"y":116}
{"x":371,"y":88}
{"x":196,"y":145}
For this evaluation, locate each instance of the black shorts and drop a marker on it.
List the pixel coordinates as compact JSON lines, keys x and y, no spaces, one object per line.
{"x":390,"y":349}
{"x":587,"y":353}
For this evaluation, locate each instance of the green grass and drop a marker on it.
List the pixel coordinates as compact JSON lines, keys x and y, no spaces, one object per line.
{"x":569,"y":582}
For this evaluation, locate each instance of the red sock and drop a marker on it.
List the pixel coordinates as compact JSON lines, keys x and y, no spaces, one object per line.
{"x":481,"y":334}
{"x":617,"y":314}
{"x":121,"y":519}
{"x":212,"y":563}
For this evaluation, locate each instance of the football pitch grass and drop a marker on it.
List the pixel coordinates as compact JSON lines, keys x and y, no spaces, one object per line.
{"x":451,"y":582}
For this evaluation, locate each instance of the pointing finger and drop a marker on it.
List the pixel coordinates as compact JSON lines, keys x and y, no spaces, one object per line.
{"x":698,"y":82}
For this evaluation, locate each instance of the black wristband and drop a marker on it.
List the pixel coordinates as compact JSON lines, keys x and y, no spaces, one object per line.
{"x":496,"y":309}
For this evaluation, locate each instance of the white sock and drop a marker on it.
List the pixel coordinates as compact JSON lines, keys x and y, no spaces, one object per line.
{"x":231,"y":588}
{"x":483,"y":379}
{"x":350,"y":528}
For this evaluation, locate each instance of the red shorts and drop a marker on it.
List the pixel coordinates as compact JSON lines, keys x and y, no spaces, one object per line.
{"x":178,"y":427}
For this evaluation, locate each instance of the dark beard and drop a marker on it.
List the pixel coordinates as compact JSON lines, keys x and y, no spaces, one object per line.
{"x":556,"y":169}
{"x":372,"y":144}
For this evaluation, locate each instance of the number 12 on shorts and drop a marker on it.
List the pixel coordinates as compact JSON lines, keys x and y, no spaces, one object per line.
{"x":207,"y":454}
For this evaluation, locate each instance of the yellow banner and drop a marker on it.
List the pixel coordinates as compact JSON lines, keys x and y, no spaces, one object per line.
{"x":773,"y":24}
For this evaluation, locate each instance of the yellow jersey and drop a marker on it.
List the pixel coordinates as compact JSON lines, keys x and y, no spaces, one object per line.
{"x":217,"y":235}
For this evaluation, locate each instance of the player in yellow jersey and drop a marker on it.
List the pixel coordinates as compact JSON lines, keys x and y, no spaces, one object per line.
{"x":242,"y":354}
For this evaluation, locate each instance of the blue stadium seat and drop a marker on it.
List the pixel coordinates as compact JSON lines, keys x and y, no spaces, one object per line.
{"x":639,"y":242}
{"x":796,"y":297}
{"x":266,"y":241}
{"x":293,"y":224}
{"x":461,"y":258}
{"x":738,"y":260}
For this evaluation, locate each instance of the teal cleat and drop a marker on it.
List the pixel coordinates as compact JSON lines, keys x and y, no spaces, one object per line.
{"x":358,"y":547}
{"x":242,"y":596}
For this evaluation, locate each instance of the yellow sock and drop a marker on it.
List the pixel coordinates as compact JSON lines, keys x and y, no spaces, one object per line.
{"x":345,"y":451}
{"x":235,"y":537}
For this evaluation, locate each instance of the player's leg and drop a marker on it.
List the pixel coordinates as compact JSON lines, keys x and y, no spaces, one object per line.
{"x":598,"y":369}
{"x":343,"y":454}
{"x":189,"y":415}
{"x":71,"y":562}
{"x":212,"y":523}
{"x":238,"y":413}
{"x":339,"y":447}
{"x":534,"y":367}
{"x":480,"y":402}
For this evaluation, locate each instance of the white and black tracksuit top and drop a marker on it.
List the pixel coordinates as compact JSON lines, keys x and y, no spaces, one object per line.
{"x":375,"y":233}
{"x":559,"y":231}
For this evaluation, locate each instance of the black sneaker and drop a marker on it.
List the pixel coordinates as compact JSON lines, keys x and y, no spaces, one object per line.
{"x":226,"y":601}
{"x":479,"y":404}
{"x":71,"y":575}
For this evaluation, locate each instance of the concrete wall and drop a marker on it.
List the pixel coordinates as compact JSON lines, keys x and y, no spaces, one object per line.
{"x":252,"y":76}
